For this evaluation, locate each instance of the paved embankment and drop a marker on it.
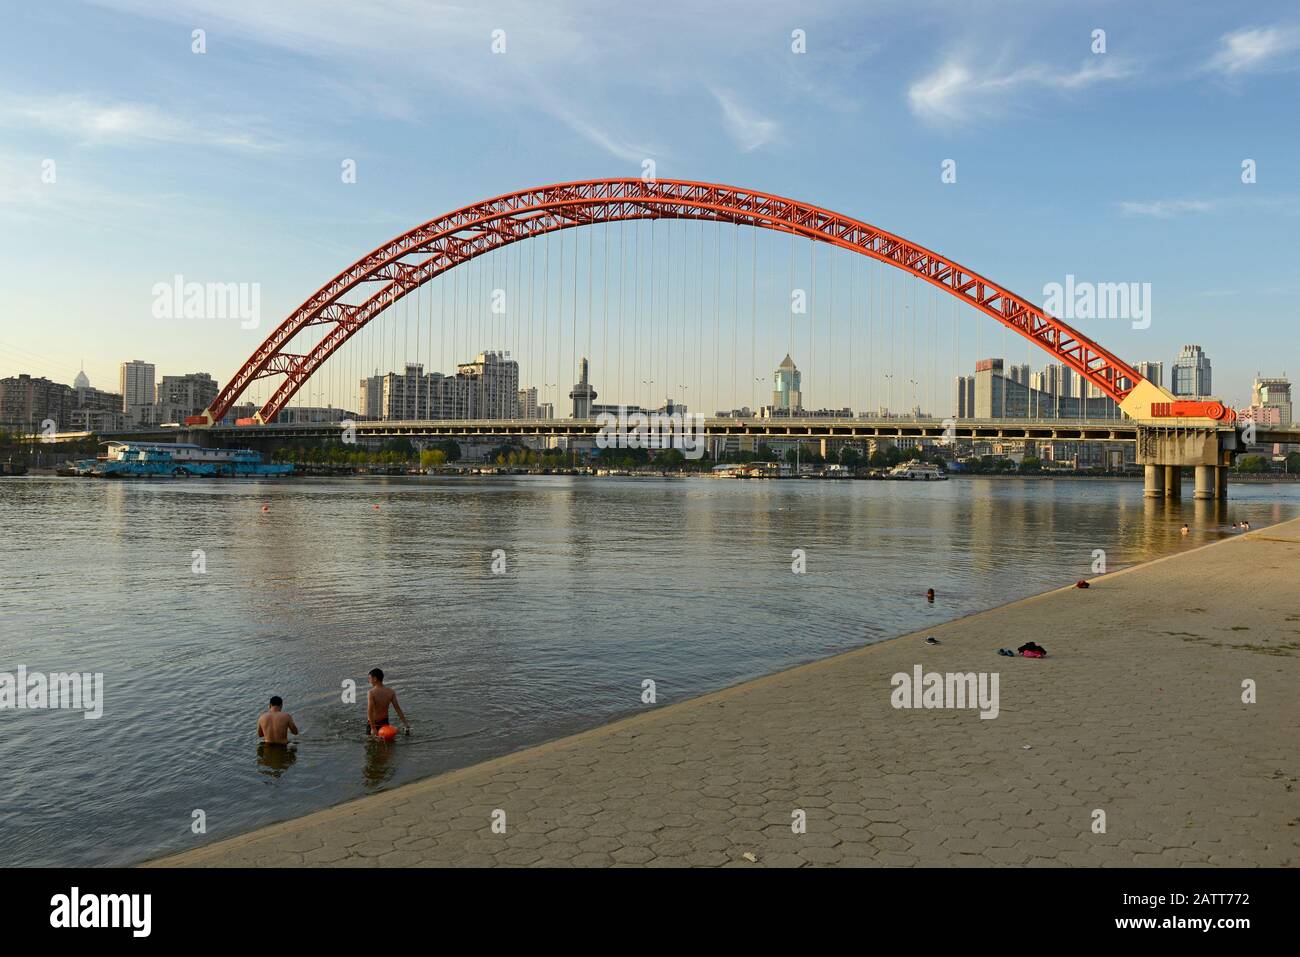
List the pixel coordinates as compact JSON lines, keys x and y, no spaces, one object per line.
{"x":1137,"y":713}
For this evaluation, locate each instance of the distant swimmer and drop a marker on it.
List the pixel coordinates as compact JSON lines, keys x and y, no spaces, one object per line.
{"x":274,"y":725}
{"x":1245,"y":526}
{"x":377,"y":702}
{"x":1186,"y":530}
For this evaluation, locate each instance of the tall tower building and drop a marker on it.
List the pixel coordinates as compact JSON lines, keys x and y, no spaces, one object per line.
{"x":963,"y":399}
{"x":372,"y":397}
{"x":1191,"y":372}
{"x":528,"y":403}
{"x":786,"y":394}
{"x":137,"y":388}
{"x":583,"y":395}
{"x":1272,"y":393}
{"x":493,"y":384}
{"x":1153,"y":372}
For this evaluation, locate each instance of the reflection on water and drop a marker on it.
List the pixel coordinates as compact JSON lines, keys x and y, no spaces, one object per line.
{"x":275,"y":759}
{"x":608,"y":582}
{"x":380,"y":764}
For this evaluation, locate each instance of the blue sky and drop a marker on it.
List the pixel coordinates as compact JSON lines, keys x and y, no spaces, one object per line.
{"x":1122,"y":166}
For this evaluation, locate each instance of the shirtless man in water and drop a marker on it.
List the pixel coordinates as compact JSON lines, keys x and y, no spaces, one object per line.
{"x":378,"y":700}
{"x":274,"y":725}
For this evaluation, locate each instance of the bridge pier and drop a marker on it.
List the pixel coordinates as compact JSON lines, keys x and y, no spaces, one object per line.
{"x":1207,"y":448}
{"x":1173,"y":481}
{"x":1154,"y":484}
{"x":1205,"y":481}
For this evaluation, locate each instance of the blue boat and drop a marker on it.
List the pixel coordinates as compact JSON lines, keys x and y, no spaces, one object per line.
{"x":179,"y":460}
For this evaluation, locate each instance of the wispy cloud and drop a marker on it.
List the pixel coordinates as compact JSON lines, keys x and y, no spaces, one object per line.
{"x":1256,"y":49}
{"x":420,"y":45}
{"x":96,"y":121}
{"x":956,"y":92}
{"x":569,"y":60}
{"x":1287,"y":204}
{"x":1165,"y":208}
{"x":749,"y":130}
{"x":596,"y":133}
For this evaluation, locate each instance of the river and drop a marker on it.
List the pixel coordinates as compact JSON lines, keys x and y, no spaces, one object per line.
{"x":198,"y":599}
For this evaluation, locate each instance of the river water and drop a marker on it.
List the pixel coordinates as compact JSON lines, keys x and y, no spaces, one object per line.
{"x":607,"y":582}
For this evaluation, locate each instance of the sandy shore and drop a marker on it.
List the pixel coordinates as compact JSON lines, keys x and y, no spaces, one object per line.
{"x":1137,"y":713}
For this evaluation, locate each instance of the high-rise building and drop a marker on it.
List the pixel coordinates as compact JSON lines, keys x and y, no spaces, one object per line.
{"x":136,"y":383}
{"x":404,"y":395}
{"x":1019,"y":373}
{"x":487,"y":388}
{"x":371,"y":399}
{"x":28,"y":404}
{"x":179,"y":396}
{"x":1058,"y":379}
{"x":528,"y":403}
{"x":1191,"y":376}
{"x":786,"y":394}
{"x":1153,"y":372}
{"x":493,"y":386}
{"x":413,"y":395}
{"x":583,"y":395}
{"x":1274,"y":393}
{"x":996,"y":395}
{"x":963,"y":398}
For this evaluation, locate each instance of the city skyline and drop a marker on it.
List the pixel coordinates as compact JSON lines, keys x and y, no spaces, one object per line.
{"x":274,"y":179}
{"x":500,"y":393}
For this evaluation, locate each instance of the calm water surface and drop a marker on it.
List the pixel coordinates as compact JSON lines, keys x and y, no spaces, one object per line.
{"x":608,"y":582}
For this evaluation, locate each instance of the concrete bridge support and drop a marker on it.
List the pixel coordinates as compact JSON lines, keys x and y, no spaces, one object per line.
{"x":1207,"y":448}
{"x":1205,"y":481}
{"x":1173,"y":481}
{"x":1155,"y":481}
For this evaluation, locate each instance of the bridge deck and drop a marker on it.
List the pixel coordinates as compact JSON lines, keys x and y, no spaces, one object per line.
{"x":1048,"y":430}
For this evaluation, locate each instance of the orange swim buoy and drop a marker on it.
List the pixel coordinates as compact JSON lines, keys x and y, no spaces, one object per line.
{"x":386,"y":732}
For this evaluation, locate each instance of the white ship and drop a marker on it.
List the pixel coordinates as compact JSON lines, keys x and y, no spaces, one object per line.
{"x":917,"y":472}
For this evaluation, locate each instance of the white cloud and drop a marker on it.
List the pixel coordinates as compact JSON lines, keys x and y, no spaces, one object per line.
{"x":97,"y":121}
{"x":1254,"y":49}
{"x":748,"y":129}
{"x":956,"y":92}
{"x":1165,"y":208}
{"x":406,"y":51}
{"x":1285,"y":204}
{"x":595,"y":133}
{"x":570,"y":60}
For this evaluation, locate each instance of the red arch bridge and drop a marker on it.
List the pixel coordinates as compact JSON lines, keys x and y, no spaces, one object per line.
{"x":1169,"y":432}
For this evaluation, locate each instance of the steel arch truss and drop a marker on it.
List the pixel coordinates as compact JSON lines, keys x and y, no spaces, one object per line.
{"x":413,"y":258}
